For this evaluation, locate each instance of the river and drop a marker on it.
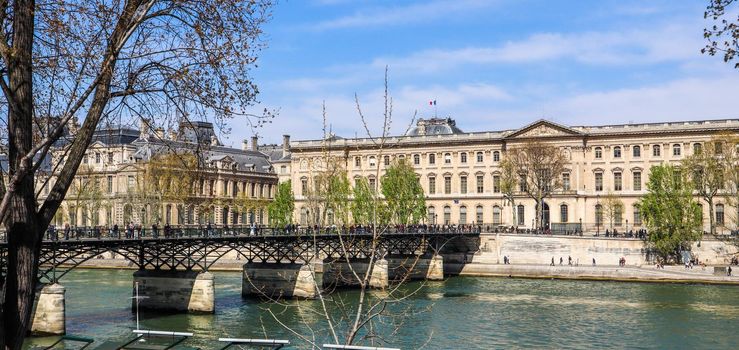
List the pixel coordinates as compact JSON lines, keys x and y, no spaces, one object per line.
{"x":459,"y":313}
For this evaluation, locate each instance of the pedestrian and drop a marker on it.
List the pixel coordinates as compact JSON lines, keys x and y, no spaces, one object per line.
{"x":728,"y":271}
{"x":116,"y":232}
{"x":66,"y":232}
{"x":552,"y":264}
{"x":593,"y":261}
{"x":569,"y":260}
{"x":561,"y":260}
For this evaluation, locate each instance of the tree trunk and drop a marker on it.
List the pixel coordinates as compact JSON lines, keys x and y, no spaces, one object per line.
{"x":711,"y":216}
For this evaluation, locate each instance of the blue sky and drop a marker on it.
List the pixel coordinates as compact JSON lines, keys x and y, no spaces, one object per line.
{"x":490,"y":65}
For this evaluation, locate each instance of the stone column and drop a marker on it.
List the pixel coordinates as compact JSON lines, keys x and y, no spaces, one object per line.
{"x":379,"y":277}
{"x":280,"y":280}
{"x":187,"y":291}
{"x":49,"y":315}
{"x":435,"y":270}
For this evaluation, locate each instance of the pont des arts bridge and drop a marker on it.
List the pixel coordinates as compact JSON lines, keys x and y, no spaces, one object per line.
{"x":173,"y":264}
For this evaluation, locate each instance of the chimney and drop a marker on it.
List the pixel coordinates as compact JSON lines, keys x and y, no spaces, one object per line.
{"x":213,"y":141}
{"x":160,"y":133}
{"x":244,"y":145}
{"x":285,"y":145}
{"x":254,"y":143}
{"x":144,"y":128}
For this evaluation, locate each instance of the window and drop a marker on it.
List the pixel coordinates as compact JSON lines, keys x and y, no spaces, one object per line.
{"x":563,"y":213}
{"x":599,"y":181}
{"x":520,"y":214}
{"x":656,"y":151}
{"x":225,"y":188}
{"x":432,"y":185}
{"x":357,"y":162}
{"x":637,"y":216}
{"x":617,"y":182}
{"x":480,"y":184}
{"x":676,"y":150}
{"x":386,"y":160}
{"x":432,"y":158}
{"x":719,"y":214}
{"x":373,"y":184}
{"x":416,"y":159}
{"x":463,"y":184}
{"x":447,"y":158}
{"x":131,"y":182}
{"x":617,"y":152}
{"x":598,"y":215}
{"x":463,"y":157}
{"x":566,"y":181}
{"x":431,"y":212}
{"x":303,"y":187}
{"x":479,"y":157}
{"x":697,"y":148}
{"x":372,"y":161}
{"x":598,"y":153}
{"x":447,"y":215}
{"x":478,"y":214}
{"x":447,"y":184}
{"x":496,"y":156}
{"x":496,"y":184}
{"x":637,"y":181}
{"x":110,"y":184}
{"x":618,"y":216}
{"x":283,"y":169}
{"x":636,"y":151}
{"x":496,"y":215}
{"x":522,"y":185}
{"x":84,"y":159}
{"x":462,"y":215}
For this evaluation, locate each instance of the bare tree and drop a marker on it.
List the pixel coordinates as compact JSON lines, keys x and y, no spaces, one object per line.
{"x":168,"y":60}
{"x":539,"y":167}
{"x":708,"y":170}
{"x":508,"y":182}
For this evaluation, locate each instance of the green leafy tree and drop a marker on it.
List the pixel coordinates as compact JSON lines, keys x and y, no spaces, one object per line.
{"x":723,"y":36}
{"x":708,"y":172}
{"x":364,"y":201}
{"x":336,"y":190}
{"x":403,"y":194}
{"x":281,"y":209}
{"x":672,"y":216}
{"x":508,"y":182}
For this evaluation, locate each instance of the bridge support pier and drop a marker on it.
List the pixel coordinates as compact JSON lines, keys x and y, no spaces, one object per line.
{"x":188,"y":291}
{"x":340,"y":274}
{"x":411,"y":267}
{"x":280,"y":280}
{"x":49,"y":314}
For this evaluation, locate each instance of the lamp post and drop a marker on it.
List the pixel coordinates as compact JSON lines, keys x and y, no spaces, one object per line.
{"x":598,"y":214}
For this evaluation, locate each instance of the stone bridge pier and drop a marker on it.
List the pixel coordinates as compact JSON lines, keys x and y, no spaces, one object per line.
{"x":413,"y":267}
{"x":174,"y":290}
{"x":49,"y":313}
{"x":282,"y":280}
{"x":341,"y":273}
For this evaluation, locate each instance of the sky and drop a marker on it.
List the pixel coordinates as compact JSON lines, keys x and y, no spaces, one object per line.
{"x":489,"y":64}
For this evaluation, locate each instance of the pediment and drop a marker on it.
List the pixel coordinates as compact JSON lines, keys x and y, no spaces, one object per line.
{"x":543,"y":128}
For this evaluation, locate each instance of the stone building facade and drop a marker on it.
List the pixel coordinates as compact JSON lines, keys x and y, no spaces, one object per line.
{"x":460,"y":171}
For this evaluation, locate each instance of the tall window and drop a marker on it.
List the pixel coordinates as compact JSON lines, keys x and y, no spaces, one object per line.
{"x":718,"y":148}
{"x":373,"y":183}
{"x":636,"y":151}
{"x":386,"y":160}
{"x":480,"y":186}
{"x":563,"y":214}
{"x":416,"y":159}
{"x":598,"y":153}
{"x":656,"y":151}
{"x":463,"y":157}
{"x":566,"y":181}
{"x":432,"y":158}
{"x":599,"y":181}
{"x":496,"y":215}
{"x":719,"y":214}
{"x":478,"y":214}
{"x":496,"y":184}
{"x":110,"y":184}
{"x":447,"y":215}
{"x":372,"y":161}
{"x":110,"y":157}
{"x":676,"y":149}
{"x":617,"y":152}
{"x":520,"y":214}
{"x":479,"y":157}
{"x":496,"y":156}
{"x":431,"y":212}
{"x":303,"y":187}
{"x":462,"y":215}
{"x":637,"y":181}
{"x":599,"y":215}
{"x":637,"y":216}
{"x":618,"y":216}
{"x":463,"y":184}
{"x":617,"y":182}
{"x":522,"y":186}
{"x":447,"y":158}
{"x":447,"y":184}
{"x":97,"y":157}
{"x":432,"y":185}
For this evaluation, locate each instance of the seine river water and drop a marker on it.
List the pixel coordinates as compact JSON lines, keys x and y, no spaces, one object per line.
{"x":459,"y":313}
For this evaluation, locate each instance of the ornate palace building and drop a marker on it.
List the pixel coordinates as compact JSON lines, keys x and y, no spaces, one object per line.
{"x":232,"y":185}
{"x":461,"y":175}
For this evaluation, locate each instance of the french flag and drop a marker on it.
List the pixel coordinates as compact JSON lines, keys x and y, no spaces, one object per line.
{"x":432,"y":103}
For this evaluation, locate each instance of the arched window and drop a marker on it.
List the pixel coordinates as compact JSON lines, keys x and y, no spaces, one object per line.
{"x":636,"y":151}
{"x":563,"y":213}
{"x":676,"y":150}
{"x":431,"y":212}
{"x":447,"y":215}
{"x":386,"y":160}
{"x":416,"y":159}
{"x":697,"y":148}
{"x":656,"y":151}
{"x":520,"y":215}
{"x":598,"y":153}
{"x":479,"y":157}
{"x":447,"y":158}
{"x":617,"y":152}
{"x":478,"y":214}
{"x":719,"y":214}
{"x":372,"y":161}
{"x":463,"y":157}
{"x":496,"y":156}
{"x":496,"y":215}
{"x":462,"y":215}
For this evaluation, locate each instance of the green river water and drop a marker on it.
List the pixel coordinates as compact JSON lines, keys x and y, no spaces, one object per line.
{"x":459,"y":313}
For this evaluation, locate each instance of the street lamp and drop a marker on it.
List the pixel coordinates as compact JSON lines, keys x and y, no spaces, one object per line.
{"x":598,"y":214}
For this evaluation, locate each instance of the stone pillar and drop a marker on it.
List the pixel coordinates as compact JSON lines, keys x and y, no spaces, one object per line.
{"x":49,"y":315}
{"x":412,"y":267}
{"x":188,"y":291}
{"x":280,"y":280}
{"x":379,"y":278}
{"x":435,"y":271}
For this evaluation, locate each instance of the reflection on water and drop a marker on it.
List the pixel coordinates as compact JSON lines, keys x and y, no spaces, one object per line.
{"x":466,"y":312}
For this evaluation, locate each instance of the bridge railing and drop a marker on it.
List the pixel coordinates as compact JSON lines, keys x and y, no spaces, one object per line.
{"x":194,"y":231}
